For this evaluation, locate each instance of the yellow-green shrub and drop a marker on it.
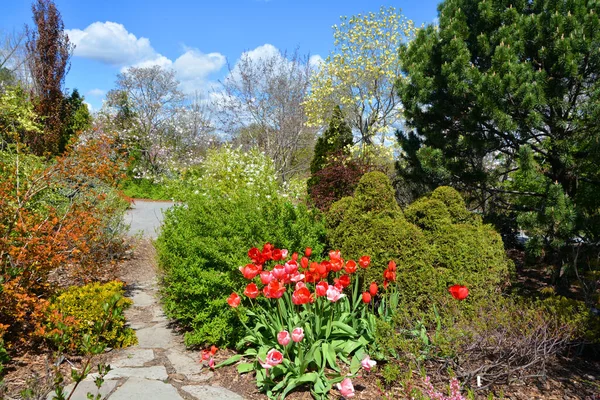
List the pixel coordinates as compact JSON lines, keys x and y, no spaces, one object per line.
{"x":81,"y":310}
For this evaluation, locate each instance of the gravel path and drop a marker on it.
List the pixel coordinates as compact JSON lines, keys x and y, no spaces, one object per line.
{"x":146,"y":216}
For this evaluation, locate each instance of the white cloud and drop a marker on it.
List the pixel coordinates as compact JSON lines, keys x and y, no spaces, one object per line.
{"x":315,"y":60}
{"x":194,"y":63}
{"x":111,"y":43}
{"x":96,"y":93}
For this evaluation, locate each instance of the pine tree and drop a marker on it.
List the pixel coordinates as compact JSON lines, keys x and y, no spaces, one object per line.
{"x":501,"y":84}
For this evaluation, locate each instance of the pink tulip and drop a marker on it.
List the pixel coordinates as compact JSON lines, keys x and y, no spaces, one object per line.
{"x":296,"y":277}
{"x":274,"y":358}
{"x":211,"y":363}
{"x":278,"y":272}
{"x":334,"y":294}
{"x":266,"y":277}
{"x":283,"y":338}
{"x":346,"y":388}
{"x":284,"y":253}
{"x":297,"y":334}
{"x":291,"y":267}
{"x":367,"y":363}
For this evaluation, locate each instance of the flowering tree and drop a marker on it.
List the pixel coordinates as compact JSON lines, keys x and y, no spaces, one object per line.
{"x":360,"y":75}
{"x":262,"y":105}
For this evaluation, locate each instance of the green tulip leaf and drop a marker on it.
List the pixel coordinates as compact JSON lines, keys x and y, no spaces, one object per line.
{"x":244,"y":368}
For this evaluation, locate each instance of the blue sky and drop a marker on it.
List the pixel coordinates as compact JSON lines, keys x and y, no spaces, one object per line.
{"x":196,"y":38}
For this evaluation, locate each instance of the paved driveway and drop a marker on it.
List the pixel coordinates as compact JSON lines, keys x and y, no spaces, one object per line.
{"x":146,"y":216}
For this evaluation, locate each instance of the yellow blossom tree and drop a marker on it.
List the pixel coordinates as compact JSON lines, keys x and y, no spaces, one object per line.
{"x":360,"y":74}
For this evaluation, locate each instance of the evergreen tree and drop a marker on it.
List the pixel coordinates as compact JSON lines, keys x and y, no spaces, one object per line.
{"x":335,"y":138}
{"x":504,"y":100}
{"x":76,"y":118}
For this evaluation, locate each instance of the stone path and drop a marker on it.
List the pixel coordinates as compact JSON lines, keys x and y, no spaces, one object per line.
{"x":159,"y":367}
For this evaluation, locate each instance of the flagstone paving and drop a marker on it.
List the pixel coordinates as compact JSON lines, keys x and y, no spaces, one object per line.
{"x":159,"y":367}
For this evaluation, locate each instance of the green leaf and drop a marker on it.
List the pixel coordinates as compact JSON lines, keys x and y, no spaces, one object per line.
{"x":346,"y":328}
{"x":294,"y":383}
{"x":231,"y":360}
{"x":244,"y":368}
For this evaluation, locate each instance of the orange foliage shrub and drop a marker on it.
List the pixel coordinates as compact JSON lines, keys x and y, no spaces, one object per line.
{"x":40,"y":236}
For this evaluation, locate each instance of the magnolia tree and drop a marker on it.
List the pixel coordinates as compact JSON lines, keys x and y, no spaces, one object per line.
{"x":361,"y":73}
{"x":261,"y":104}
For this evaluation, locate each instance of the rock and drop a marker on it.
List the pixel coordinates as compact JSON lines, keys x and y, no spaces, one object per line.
{"x":86,"y":387}
{"x":135,"y":357}
{"x":136,"y":388}
{"x":142,"y":299}
{"x":157,"y":372}
{"x":155,"y":337}
{"x":204,"y":392}
{"x":184,"y":364}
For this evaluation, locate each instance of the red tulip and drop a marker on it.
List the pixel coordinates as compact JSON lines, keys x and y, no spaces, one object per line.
{"x":366,"y":297}
{"x":250,"y":271}
{"x":392,"y":265}
{"x":364,"y":261}
{"x":335,"y":255}
{"x":389,"y":275}
{"x":351,"y":266}
{"x":274,"y":289}
{"x":301,"y":296}
{"x":277,"y":255}
{"x":251,"y":291}
{"x":233,"y":300}
{"x":307,"y":252}
{"x":255,"y":255}
{"x":304,"y":262}
{"x":344,"y":280}
{"x":373,"y":289}
{"x":321,"y":288}
{"x":459,"y":292}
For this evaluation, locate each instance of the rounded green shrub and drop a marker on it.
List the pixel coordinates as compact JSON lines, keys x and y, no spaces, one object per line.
{"x":435,"y":242}
{"x":204,"y":242}
{"x":455,"y":204}
{"x":428,"y":214}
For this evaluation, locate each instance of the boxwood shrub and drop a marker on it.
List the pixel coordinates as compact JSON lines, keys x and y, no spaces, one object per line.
{"x":204,"y":242}
{"x":436,"y":242}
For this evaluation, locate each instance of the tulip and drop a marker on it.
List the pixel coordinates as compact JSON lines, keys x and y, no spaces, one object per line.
{"x":301,"y":296}
{"x":335,"y":255}
{"x":344,"y":281}
{"x":308,"y":252}
{"x":255,"y":255}
{"x":321,"y":288}
{"x":334,"y":294}
{"x":459,"y":292}
{"x":366,"y":297}
{"x":297,"y":334}
{"x":274,"y":358}
{"x":304,"y":262}
{"x":283,"y":338}
{"x":284,"y":253}
{"x":211,"y":363}
{"x":278,"y":272}
{"x":277,"y":255}
{"x":351,"y":267}
{"x":392,"y":265}
{"x":233,"y":300}
{"x":291,"y":267}
{"x":367,"y":363}
{"x":346,"y":388}
{"x":266,"y":277}
{"x":250,"y":271}
{"x":364,"y":261}
{"x":274,"y":289}
{"x":251,"y":291}
{"x":373,"y":289}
